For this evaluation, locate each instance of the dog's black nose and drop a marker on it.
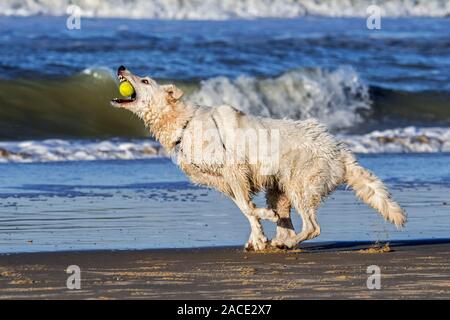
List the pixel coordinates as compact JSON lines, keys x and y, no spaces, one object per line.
{"x":121,"y":68}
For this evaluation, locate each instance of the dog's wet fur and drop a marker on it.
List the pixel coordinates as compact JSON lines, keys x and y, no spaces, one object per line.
{"x":310,"y":163}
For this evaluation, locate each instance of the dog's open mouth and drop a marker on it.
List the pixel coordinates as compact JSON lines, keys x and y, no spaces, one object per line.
{"x":127,"y":99}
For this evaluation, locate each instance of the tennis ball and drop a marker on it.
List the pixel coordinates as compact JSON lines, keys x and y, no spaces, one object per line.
{"x":126,"y":89}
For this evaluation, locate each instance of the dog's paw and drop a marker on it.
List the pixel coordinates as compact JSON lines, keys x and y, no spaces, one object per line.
{"x":257,"y":243}
{"x":249,"y":246}
{"x":283,"y":244}
{"x":284,"y":237}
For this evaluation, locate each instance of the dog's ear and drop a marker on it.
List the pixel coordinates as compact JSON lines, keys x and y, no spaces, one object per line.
{"x":173,"y":92}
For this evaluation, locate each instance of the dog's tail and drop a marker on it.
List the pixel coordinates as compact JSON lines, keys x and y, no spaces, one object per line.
{"x":372,"y":191}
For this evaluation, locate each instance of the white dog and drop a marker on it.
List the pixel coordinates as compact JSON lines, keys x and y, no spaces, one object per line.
{"x":297,"y":163}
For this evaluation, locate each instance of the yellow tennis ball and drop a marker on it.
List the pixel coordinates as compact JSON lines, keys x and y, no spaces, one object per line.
{"x":126,"y":89}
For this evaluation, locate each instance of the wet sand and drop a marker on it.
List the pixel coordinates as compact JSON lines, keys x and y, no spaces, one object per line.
{"x":337,"y":270}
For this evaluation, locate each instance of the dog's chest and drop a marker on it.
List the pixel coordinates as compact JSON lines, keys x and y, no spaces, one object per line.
{"x":201,"y":169}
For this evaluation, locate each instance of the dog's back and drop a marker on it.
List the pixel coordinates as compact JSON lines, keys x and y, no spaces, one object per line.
{"x":307,"y":158}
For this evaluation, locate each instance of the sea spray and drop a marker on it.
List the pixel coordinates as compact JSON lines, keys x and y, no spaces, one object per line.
{"x":338,"y":98}
{"x":226,"y":9}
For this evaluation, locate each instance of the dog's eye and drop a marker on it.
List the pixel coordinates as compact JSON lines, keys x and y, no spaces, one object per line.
{"x":144,"y":81}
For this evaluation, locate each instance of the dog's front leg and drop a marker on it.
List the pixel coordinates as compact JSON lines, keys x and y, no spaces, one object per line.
{"x":257,"y":240}
{"x":241,"y":196}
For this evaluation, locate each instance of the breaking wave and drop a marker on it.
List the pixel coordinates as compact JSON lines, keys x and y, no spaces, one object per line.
{"x":337,"y":98}
{"x":78,"y":106}
{"x":226,"y":9}
{"x":78,"y":150}
{"x":401,"y":140}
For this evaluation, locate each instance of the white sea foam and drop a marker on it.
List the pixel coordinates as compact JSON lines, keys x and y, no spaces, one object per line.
{"x":78,"y":150}
{"x":333,"y":97}
{"x":402,"y":140}
{"x":99,"y":73}
{"x":225,"y":9}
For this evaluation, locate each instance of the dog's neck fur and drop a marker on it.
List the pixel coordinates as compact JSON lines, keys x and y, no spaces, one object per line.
{"x":167,"y":123}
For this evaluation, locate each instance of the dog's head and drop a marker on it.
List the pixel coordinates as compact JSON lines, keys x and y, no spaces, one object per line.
{"x":148,"y":95}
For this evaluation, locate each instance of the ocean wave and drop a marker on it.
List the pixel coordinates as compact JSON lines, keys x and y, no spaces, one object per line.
{"x":338,"y":98}
{"x":401,"y":140}
{"x":226,"y":9}
{"x":77,"y":107}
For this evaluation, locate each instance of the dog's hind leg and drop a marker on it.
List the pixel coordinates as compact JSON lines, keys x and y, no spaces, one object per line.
{"x":308,"y":211}
{"x":310,"y":229}
{"x":279,"y":202}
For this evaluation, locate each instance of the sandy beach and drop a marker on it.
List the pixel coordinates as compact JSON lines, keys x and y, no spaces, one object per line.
{"x":410,"y":270}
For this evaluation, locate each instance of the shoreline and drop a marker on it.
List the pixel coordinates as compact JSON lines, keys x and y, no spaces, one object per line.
{"x":307,"y":247}
{"x":410,"y":269}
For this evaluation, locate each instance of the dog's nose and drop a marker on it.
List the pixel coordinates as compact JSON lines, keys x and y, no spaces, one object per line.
{"x":121,"y":68}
